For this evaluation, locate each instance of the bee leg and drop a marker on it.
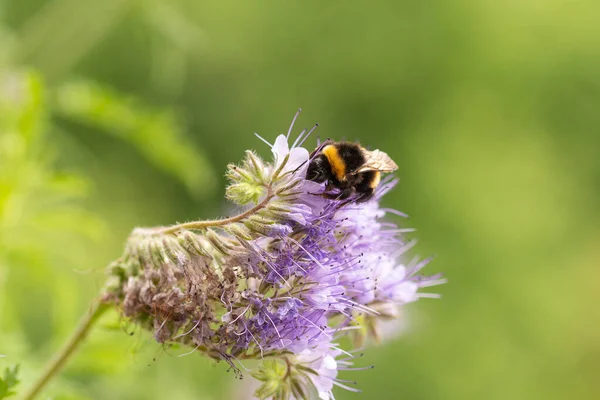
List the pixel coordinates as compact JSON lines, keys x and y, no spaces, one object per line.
{"x":330,"y":196}
{"x":328,"y":188}
{"x":347,"y":193}
{"x":343,"y":195}
{"x":365,"y":195}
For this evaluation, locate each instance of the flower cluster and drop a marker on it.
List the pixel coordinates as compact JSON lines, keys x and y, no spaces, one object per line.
{"x":282,"y":281}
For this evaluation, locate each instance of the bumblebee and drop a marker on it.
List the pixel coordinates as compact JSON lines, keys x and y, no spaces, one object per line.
{"x":350,"y":168}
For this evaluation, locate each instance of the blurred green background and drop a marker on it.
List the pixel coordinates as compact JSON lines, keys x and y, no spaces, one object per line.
{"x":123,"y":113}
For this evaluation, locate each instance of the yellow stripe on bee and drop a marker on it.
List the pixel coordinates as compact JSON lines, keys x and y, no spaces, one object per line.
{"x":376,"y":179}
{"x":338,"y":166}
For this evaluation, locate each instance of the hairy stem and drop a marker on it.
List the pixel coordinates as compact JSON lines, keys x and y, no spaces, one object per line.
{"x":55,"y":364}
{"x":209,"y":223}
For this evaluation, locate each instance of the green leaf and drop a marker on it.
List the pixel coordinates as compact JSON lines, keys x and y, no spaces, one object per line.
{"x":22,"y":104}
{"x":8,"y":381}
{"x":155,"y":134}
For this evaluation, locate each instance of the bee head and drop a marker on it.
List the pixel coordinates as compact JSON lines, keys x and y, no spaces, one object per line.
{"x":319,"y":169}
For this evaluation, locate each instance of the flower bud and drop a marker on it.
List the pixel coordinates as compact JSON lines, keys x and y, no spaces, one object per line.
{"x":244,"y":193}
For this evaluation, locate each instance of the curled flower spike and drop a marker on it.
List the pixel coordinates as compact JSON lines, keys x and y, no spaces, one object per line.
{"x":280,"y":282}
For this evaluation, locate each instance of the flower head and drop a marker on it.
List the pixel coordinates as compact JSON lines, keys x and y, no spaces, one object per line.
{"x":281,"y":281}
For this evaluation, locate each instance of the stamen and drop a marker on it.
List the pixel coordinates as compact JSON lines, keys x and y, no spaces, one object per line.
{"x":357,"y":368}
{"x":292,"y":125}
{"x":309,"y":132}
{"x":404,"y":248}
{"x":433,"y":282}
{"x":419,"y":266}
{"x":351,"y":389}
{"x":298,"y":138}
{"x":276,"y":330}
{"x":263,"y":139}
{"x":395,"y":212}
{"x":188,"y":332}
{"x":308,"y":253}
{"x":189,"y":352}
{"x":239,"y":316}
{"x":429,"y":295}
{"x":315,"y":325}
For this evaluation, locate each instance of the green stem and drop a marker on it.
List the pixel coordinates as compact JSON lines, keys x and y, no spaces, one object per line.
{"x":207,"y":224}
{"x":60,"y":358}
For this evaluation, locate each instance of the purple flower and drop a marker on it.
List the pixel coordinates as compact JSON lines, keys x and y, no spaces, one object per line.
{"x":284,"y":279}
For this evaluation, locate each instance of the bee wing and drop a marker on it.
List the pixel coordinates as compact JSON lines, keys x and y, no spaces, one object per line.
{"x":377,"y":160}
